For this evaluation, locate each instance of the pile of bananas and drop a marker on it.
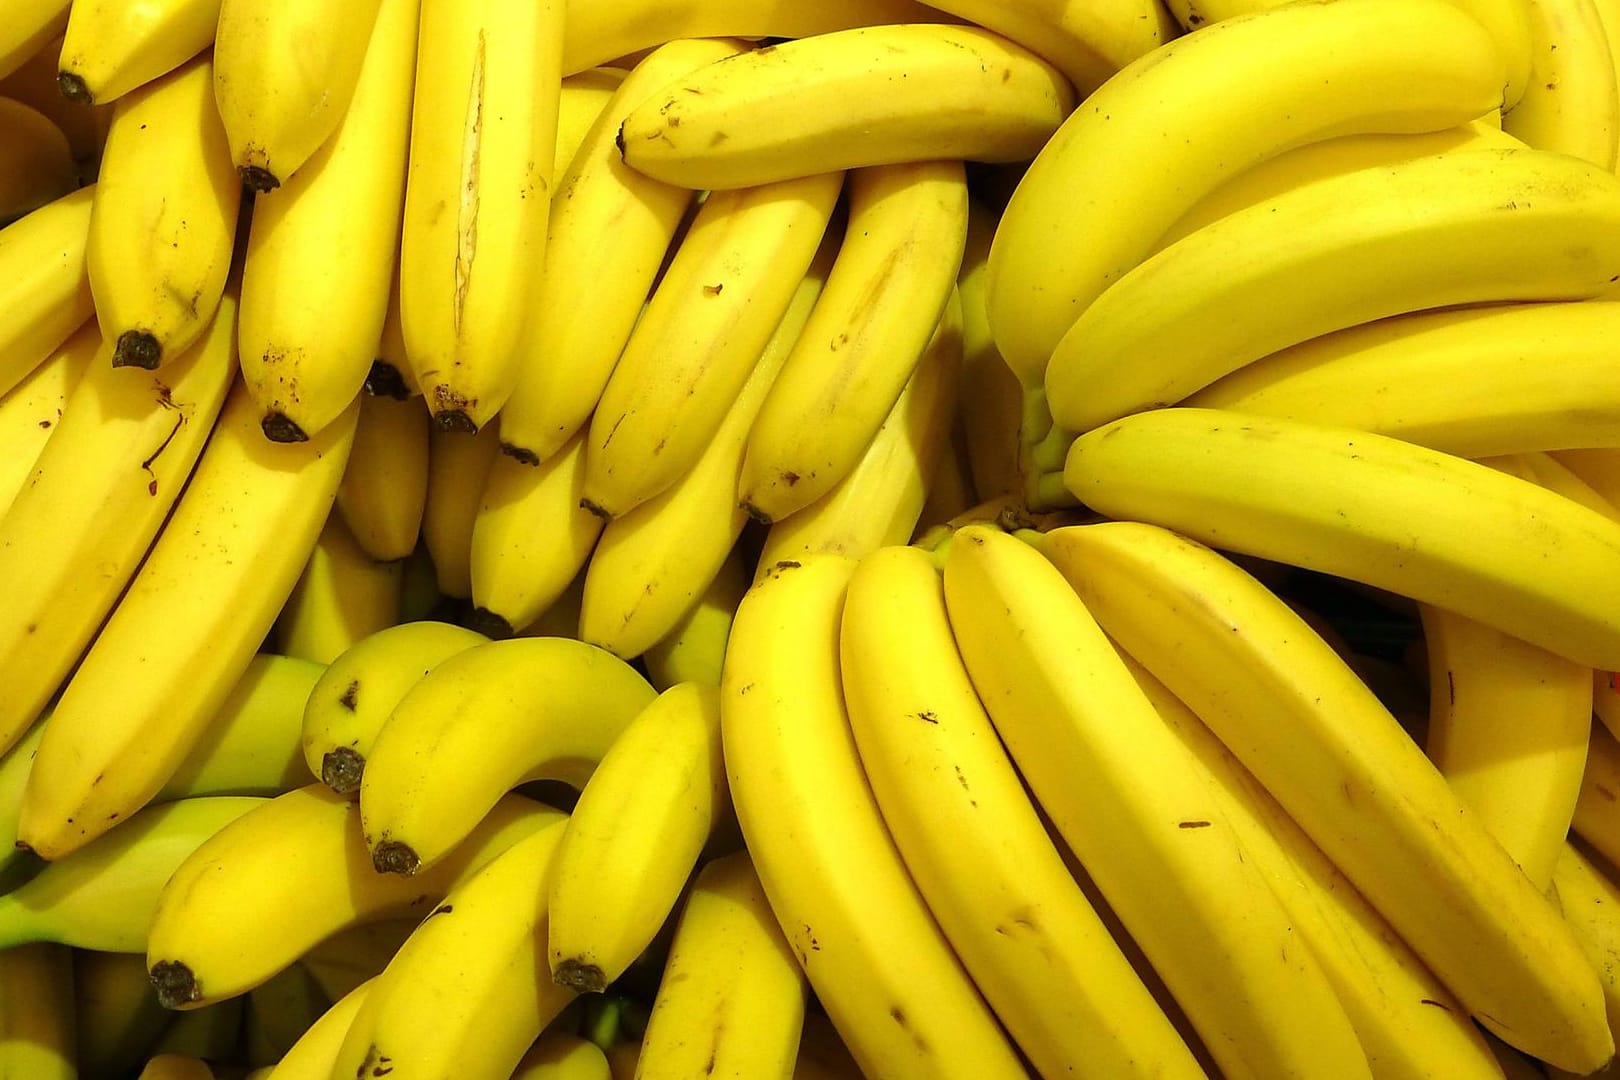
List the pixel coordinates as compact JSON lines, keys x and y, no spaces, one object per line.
{"x":954,"y":539}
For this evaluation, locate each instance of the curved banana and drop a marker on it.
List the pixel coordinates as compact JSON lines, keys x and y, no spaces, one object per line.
{"x":477,"y":197}
{"x":1590,"y":900}
{"x":1175,"y":123}
{"x":457,"y":469}
{"x":308,"y":348}
{"x":316,"y":1051}
{"x":894,"y":274}
{"x":103,"y":895}
{"x":30,"y":25}
{"x":236,"y":911}
{"x":635,"y":835}
{"x":464,"y":996}
{"x":1093,"y":748}
{"x":36,"y":160}
{"x":37,"y":1014}
{"x":110,"y":48}
{"x":341,"y":596}
{"x":44,"y":282}
{"x":116,"y":1017}
{"x":868,"y":96}
{"x":589,"y":294}
{"x":583,"y":96}
{"x":1597,"y":817}
{"x":731,"y":974}
{"x":1502,"y":551}
{"x":733,"y":277}
{"x":975,"y":845}
{"x":358,"y":690}
{"x":694,"y":650}
{"x":31,"y":410}
{"x":1570,"y":103}
{"x":558,"y":1055}
{"x":530,"y":538}
{"x":880,"y":500}
{"x":97,"y":495}
{"x":185,"y":629}
{"x":861,"y":931}
{"x":383,"y":492}
{"x":476,"y":726}
{"x":1340,"y":765}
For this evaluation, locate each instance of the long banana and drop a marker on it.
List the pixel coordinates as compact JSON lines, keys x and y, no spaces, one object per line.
{"x":37,"y":1018}
{"x":36,"y":160}
{"x":873,"y":954}
{"x":1178,"y":121}
{"x":477,"y":198}
{"x":31,"y":410}
{"x":978,"y":851}
{"x":208,"y":938}
{"x":694,"y":650}
{"x":97,"y":495}
{"x":876,"y":95}
{"x":1570,"y":103}
{"x":110,"y":48}
{"x":476,"y":726}
{"x":310,"y":322}
{"x":457,"y":469}
{"x":44,"y":282}
{"x":185,"y":629}
{"x":383,"y":493}
{"x":342,"y":596}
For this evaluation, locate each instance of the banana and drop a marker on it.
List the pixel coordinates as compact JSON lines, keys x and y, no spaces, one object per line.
{"x":1455,"y":380}
{"x":44,"y":284}
{"x":867,"y":96}
{"x":342,"y":596}
{"x":651,"y":564}
{"x":1338,"y":763}
{"x":175,"y":1066}
{"x":465,"y":995}
{"x":278,"y":1011}
{"x":117,"y":1018}
{"x":185,"y":629}
{"x":457,"y":469}
{"x":635,"y":835}
{"x":30,"y":411}
{"x":583,"y":96}
{"x":880,"y":500}
{"x":29,"y":26}
{"x":530,"y":539}
{"x":384,"y":488}
{"x":391,"y":374}
{"x":97,"y":495}
{"x":311,"y":323}
{"x":110,"y":48}
{"x":17,"y":864}
{"x":358,"y":690}
{"x":557,"y":1055}
{"x":1590,"y":902}
{"x":730,"y":976}
{"x":1504,"y":552}
{"x":316,"y":1051}
{"x":975,"y":846}
{"x":1172,"y":125}
{"x":477,"y":725}
{"x":1570,"y":104}
{"x":1597,"y":817}
{"x":36,"y":1013}
{"x":894,"y":274}
{"x":695,"y":648}
{"x":477,"y":198}
{"x":733,"y":278}
{"x":589,"y":294}
{"x":1608,"y":13}
{"x":36,"y":160}
{"x":861,"y":931}
{"x":211,"y":936}
{"x":1195,"y":14}
{"x":1093,"y":749}
{"x":103,"y":896}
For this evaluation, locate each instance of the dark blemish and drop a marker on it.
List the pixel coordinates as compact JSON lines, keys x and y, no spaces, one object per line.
{"x":351,"y":696}
{"x":152,"y":485}
{"x":1192,"y":824}
{"x":927,"y":716}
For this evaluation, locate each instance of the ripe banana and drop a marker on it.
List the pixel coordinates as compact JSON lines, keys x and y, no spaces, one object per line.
{"x":1597,"y":816}
{"x":558,"y":1055}
{"x":358,"y":690}
{"x":31,"y":410}
{"x":873,"y":95}
{"x":1590,"y":901}
{"x":583,"y":96}
{"x":97,"y":495}
{"x":481,"y":723}
{"x":1608,"y":12}
{"x":316,"y":1051}
{"x":37,"y":1018}
{"x":733,"y":278}
{"x":1301,"y":720}
{"x":384,"y":487}
{"x":694,"y":650}
{"x":110,"y":48}
{"x":342,"y":596}
{"x":311,"y":322}
{"x":589,"y":294}
{"x":1180,"y":120}
{"x":978,"y":851}
{"x":117,"y":1018}
{"x":478,"y":193}
{"x":861,"y":931}
{"x":29,"y":26}
{"x":1570,"y":103}
{"x":1093,"y":748}
{"x":184,"y":630}
{"x":43,"y":282}
{"x":635,"y":835}
{"x":731,"y":974}
{"x":36,"y":161}
{"x":457,"y":469}
{"x":889,"y":285}
{"x":232,"y":915}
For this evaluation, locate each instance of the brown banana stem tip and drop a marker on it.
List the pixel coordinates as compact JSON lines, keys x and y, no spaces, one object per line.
{"x":277,"y":428}
{"x":258,"y":179}
{"x":73,"y":88}
{"x":492,"y":625}
{"x":175,"y":984}
{"x":341,"y":769}
{"x":454,"y":420}
{"x":393,"y":857}
{"x":385,"y":380}
{"x":580,"y":977}
{"x":137,"y":348}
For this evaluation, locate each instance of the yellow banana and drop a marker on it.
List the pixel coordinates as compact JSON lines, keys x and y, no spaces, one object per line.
{"x":36,"y":160}
{"x":457,"y":469}
{"x":31,"y":410}
{"x":1570,"y":103}
{"x":37,"y":1013}
{"x":342,"y":596}
{"x":316,"y":1051}
{"x":1608,"y":12}
{"x":1591,"y":904}
{"x":44,"y":283}
{"x":694,"y":650}
{"x":384,"y":487}
{"x":583,"y":96}
{"x":557,"y":1055}
{"x":30,"y":25}
{"x":110,"y":48}
{"x":117,"y":1018}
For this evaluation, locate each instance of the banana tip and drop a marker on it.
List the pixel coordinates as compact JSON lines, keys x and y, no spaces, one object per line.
{"x":393,"y":857}
{"x":489,"y":623}
{"x":258,"y":179}
{"x":137,"y":348}
{"x":522,"y":455}
{"x":385,"y":380}
{"x":278,"y":428}
{"x":596,"y":508}
{"x":579,"y":976}
{"x":755,"y":513}
{"x":454,"y":420}
{"x":342,"y":768}
{"x":175,"y":984}
{"x":74,"y":89}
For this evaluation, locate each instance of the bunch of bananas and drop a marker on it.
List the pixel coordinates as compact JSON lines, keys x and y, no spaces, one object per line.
{"x":966,"y":538}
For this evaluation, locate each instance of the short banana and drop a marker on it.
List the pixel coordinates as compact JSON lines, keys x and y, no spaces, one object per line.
{"x":185,"y":629}
{"x":111,"y":48}
{"x":358,"y":690}
{"x":730,"y":974}
{"x":457,"y":469}
{"x":1570,"y":103}
{"x":31,"y":410}
{"x":117,"y":1018}
{"x":163,"y":222}
{"x":477,"y":197}
{"x":873,"y":954}
{"x":384,"y":488}
{"x":44,"y":282}
{"x":1177,"y":122}
{"x":1590,"y":900}
{"x":733,"y":277}
{"x":316,"y":1051}
{"x":1597,"y":806}
{"x":29,"y":26}
{"x":37,"y":1016}
{"x":476,"y":726}
{"x":874,"y":95}
{"x":36,"y":160}
{"x":342,"y":596}
{"x":635,"y":836}
{"x":894,"y":275}
{"x":694,"y":650}
{"x":310,"y":322}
